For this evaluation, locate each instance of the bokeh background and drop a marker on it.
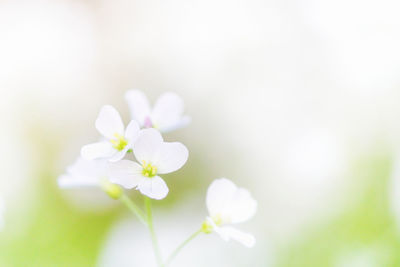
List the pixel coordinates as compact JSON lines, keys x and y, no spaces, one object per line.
{"x":298,"y":101}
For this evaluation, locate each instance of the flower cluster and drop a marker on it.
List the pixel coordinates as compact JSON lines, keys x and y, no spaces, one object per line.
{"x":105,"y":163}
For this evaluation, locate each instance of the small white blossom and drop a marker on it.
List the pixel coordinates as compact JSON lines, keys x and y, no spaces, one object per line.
{"x":166,"y":115}
{"x":84,"y":173}
{"x":155,"y":157}
{"x":117,"y":140}
{"x":89,"y":173}
{"x":227,"y":204}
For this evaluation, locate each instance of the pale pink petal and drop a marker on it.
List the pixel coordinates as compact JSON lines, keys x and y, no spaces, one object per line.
{"x":182,"y":122}
{"x":167,"y":111}
{"x":139,"y":106}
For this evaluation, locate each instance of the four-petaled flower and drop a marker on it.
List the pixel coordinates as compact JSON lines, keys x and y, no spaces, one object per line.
{"x":166,"y":115}
{"x":155,"y":157}
{"x":117,"y":140}
{"x":227,"y":204}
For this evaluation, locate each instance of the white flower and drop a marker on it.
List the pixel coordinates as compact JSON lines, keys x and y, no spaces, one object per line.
{"x":84,"y":173}
{"x":117,"y":140}
{"x":155,"y":157}
{"x":227,"y":204}
{"x":166,"y":115}
{"x":89,"y":173}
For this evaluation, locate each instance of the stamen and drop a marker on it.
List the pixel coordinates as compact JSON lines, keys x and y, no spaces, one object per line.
{"x":119,"y":143}
{"x":149,"y":170}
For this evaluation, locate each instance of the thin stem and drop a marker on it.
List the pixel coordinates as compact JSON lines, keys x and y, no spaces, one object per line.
{"x":135,"y":209}
{"x":152,"y":232}
{"x":180,"y":247}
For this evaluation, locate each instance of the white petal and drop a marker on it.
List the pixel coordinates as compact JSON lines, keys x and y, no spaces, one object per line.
{"x":242,"y":207}
{"x":147,"y":145}
{"x":154,"y":187}
{"x":132,"y":131}
{"x":109,"y":122}
{"x":139,"y":106}
{"x":67,"y":181}
{"x":228,"y":233}
{"x":182,"y":122}
{"x":97,"y":150}
{"x":231,"y":203}
{"x":170,"y":157}
{"x":219,"y":194}
{"x":88,"y":167}
{"x":119,"y":155}
{"x":83,"y":173}
{"x":167,"y":112}
{"x":126,"y":173}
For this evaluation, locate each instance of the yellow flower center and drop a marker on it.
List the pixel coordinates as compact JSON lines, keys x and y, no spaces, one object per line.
{"x":149,"y":170}
{"x":208,"y":227}
{"x":119,"y":142}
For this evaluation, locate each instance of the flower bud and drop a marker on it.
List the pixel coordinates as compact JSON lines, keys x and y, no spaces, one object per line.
{"x":113,"y":190}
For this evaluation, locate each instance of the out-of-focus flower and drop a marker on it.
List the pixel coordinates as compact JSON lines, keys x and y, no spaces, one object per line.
{"x":166,"y":115}
{"x":228,"y":204}
{"x":156,"y":157}
{"x":89,"y":173}
{"x":118,"y":140}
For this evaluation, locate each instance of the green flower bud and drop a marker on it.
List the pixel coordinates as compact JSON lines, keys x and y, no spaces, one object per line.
{"x":113,"y":190}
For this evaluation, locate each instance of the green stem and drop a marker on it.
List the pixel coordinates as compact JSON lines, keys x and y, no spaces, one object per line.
{"x":180,"y":247}
{"x":152,"y":232}
{"x":135,"y":209}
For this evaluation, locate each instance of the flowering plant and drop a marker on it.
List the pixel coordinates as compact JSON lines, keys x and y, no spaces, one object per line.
{"x":104,"y":165}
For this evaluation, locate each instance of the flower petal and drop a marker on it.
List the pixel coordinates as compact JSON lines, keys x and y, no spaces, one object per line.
{"x":109,"y":122}
{"x":230,"y":203}
{"x":139,"y":106}
{"x":170,"y":157}
{"x":132,"y":131}
{"x":242,"y":207}
{"x":119,"y":155}
{"x":154,"y":187}
{"x":167,"y":111}
{"x":83,"y":173}
{"x":182,"y":122}
{"x":228,"y":233}
{"x":126,"y":173}
{"x":147,"y":145}
{"x":68,"y":181}
{"x":219,"y":194}
{"x":97,"y":150}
